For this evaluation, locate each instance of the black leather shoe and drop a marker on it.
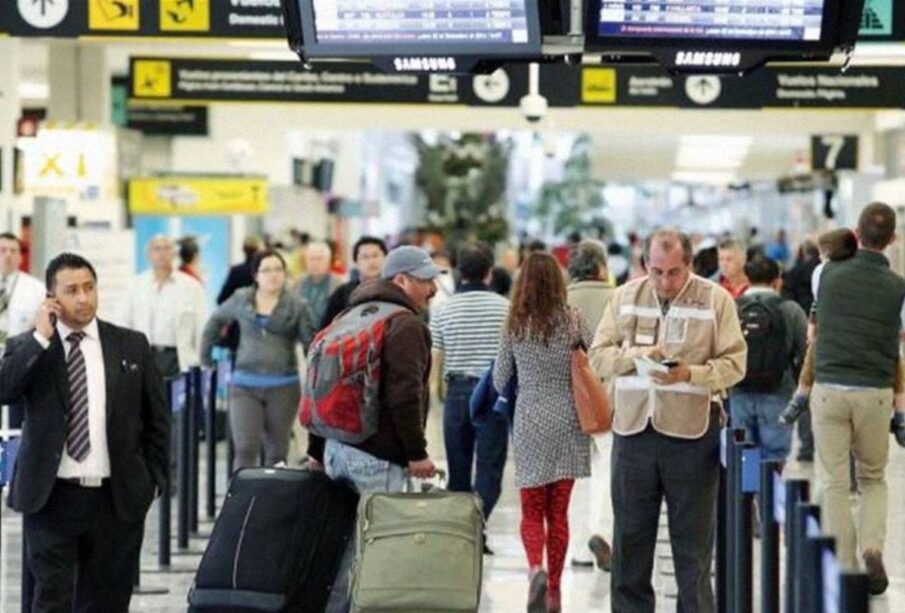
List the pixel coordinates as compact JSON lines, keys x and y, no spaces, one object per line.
{"x":602,"y":552}
{"x":877,"y":581}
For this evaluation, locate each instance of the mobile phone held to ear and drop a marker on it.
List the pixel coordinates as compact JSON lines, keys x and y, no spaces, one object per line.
{"x":53,"y":316}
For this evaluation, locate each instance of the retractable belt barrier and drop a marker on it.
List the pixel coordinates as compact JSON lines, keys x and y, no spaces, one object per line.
{"x":814,"y":582}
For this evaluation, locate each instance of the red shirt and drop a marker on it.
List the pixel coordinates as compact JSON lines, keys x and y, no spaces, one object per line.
{"x":735,"y":292}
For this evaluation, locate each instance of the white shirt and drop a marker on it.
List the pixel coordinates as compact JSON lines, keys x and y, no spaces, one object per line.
{"x":97,"y":464}
{"x":170,"y":314}
{"x":27,"y":294}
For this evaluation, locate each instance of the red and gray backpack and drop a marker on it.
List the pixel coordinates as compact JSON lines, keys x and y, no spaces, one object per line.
{"x":340,"y":398}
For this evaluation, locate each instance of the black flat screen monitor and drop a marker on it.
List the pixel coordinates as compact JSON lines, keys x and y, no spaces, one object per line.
{"x":755,"y":29}
{"x":380,"y":28}
{"x":796,"y":21}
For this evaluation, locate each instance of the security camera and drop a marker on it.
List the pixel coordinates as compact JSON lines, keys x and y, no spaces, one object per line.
{"x":533,"y":107}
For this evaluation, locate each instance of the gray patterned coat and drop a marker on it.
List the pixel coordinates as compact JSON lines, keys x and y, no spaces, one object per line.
{"x":547,"y":441}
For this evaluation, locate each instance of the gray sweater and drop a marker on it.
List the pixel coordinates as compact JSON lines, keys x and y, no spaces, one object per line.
{"x":267,"y":350}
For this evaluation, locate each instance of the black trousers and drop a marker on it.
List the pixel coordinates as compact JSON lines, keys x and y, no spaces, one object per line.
{"x":82,"y":556}
{"x":646,"y":468}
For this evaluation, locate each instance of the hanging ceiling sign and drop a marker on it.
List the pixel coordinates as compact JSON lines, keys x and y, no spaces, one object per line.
{"x":882,"y":21}
{"x":143,"y":18}
{"x":773,"y":87}
{"x":206,"y":80}
{"x":198,"y":195}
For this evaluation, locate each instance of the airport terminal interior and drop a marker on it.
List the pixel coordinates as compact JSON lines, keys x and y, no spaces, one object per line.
{"x":149,"y":135}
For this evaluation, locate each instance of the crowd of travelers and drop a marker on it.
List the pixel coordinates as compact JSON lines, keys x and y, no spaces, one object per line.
{"x":688,"y":334}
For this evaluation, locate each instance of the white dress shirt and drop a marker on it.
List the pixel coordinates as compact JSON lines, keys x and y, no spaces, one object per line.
{"x":170,"y":314}
{"x":26,"y":296}
{"x":97,"y":464}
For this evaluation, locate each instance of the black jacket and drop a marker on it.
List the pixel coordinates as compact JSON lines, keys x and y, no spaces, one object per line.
{"x":796,"y":283}
{"x":138,"y":418}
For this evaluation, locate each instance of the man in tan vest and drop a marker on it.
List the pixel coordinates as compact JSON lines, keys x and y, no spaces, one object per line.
{"x":667,"y":420}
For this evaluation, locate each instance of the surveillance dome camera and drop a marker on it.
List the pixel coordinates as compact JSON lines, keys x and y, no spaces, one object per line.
{"x":534,"y":107}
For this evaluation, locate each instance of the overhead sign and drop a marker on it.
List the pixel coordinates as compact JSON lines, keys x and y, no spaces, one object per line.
{"x":834,"y":152}
{"x":209,"y":80}
{"x":771,"y":87}
{"x":882,"y":20}
{"x":70,"y":160}
{"x":144,"y":18}
{"x":198,"y":195}
{"x":237,"y":80}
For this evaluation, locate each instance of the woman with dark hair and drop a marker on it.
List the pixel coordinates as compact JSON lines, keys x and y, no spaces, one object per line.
{"x":549,"y":447}
{"x":265,"y":385}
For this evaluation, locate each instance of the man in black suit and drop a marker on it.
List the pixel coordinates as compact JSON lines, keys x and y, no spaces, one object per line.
{"x":94,"y":445}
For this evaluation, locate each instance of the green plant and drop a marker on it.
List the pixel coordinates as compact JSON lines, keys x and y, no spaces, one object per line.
{"x":576,"y":203}
{"x":463,"y":182}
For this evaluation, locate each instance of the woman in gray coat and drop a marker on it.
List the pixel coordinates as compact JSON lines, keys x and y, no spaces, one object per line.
{"x":265,"y":384}
{"x":549,"y":447}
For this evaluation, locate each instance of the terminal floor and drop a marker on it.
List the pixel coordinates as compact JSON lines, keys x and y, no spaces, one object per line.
{"x":505,"y":583}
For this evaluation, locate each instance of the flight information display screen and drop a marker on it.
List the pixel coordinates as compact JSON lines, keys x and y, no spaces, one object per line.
{"x":405,"y":23}
{"x":765,"y":20}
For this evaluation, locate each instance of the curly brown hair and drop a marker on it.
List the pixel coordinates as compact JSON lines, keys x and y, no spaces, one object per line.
{"x":539,"y":300}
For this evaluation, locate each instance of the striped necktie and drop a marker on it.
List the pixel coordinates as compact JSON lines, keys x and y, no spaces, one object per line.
{"x":78,"y":442}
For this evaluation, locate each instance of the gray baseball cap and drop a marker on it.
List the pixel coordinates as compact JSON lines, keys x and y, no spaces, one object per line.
{"x":412,"y":261}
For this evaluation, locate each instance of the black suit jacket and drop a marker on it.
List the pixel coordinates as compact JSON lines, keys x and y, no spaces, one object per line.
{"x":138,"y":418}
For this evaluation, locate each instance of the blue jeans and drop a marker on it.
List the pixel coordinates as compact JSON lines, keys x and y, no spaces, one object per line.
{"x":481,"y":444}
{"x":758,"y":414}
{"x":365,"y":474}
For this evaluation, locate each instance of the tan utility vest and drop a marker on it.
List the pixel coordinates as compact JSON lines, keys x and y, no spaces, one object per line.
{"x":687,"y":331}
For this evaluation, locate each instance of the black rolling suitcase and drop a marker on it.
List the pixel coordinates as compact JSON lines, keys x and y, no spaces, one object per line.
{"x":276,"y":545}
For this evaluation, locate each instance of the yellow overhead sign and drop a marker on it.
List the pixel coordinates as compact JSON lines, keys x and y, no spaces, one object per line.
{"x":178,"y":195}
{"x":185,"y":15}
{"x":598,"y":85}
{"x":113,"y":15}
{"x":152,"y":79}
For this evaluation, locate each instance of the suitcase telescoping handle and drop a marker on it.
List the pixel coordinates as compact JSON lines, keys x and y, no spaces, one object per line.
{"x":426,"y":485}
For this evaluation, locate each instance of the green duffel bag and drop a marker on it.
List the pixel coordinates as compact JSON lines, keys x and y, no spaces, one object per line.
{"x":418,"y":552}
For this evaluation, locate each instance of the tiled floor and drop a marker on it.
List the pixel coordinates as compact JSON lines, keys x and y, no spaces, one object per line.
{"x":584,"y":590}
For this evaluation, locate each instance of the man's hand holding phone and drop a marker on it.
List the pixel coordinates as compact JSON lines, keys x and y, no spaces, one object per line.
{"x":46,"y":321}
{"x":678,"y":372}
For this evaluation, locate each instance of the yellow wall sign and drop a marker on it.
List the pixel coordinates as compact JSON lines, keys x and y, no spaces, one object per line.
{"x":178,"y":195}
{"x":598,"y":85}
{"x":185,"y":15}
{"x":113,"y":15}
{"x":152,"y":79}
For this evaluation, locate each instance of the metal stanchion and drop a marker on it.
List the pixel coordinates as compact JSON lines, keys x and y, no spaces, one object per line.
{"x":807,"y":524}
{"x":769,"y":538}
{"x":733,"y":486}
{"x":796,"y":491}
{"x":210,"y":435}
{"x":722,"y":549}
{"x":854,"y":596}
{"x":816,"y":547}
{"x":197,"y":410}
{"x":183,"y":469}
{"x":742,"y":538}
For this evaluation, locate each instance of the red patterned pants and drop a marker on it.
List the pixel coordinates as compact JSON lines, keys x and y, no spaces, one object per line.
{"x":545,"y":521}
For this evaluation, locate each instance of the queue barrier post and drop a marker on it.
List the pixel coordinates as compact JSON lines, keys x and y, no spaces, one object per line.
{"x":769,"y":536}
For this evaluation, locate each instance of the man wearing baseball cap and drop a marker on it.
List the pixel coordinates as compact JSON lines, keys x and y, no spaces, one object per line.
{"x":379,"y":463}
